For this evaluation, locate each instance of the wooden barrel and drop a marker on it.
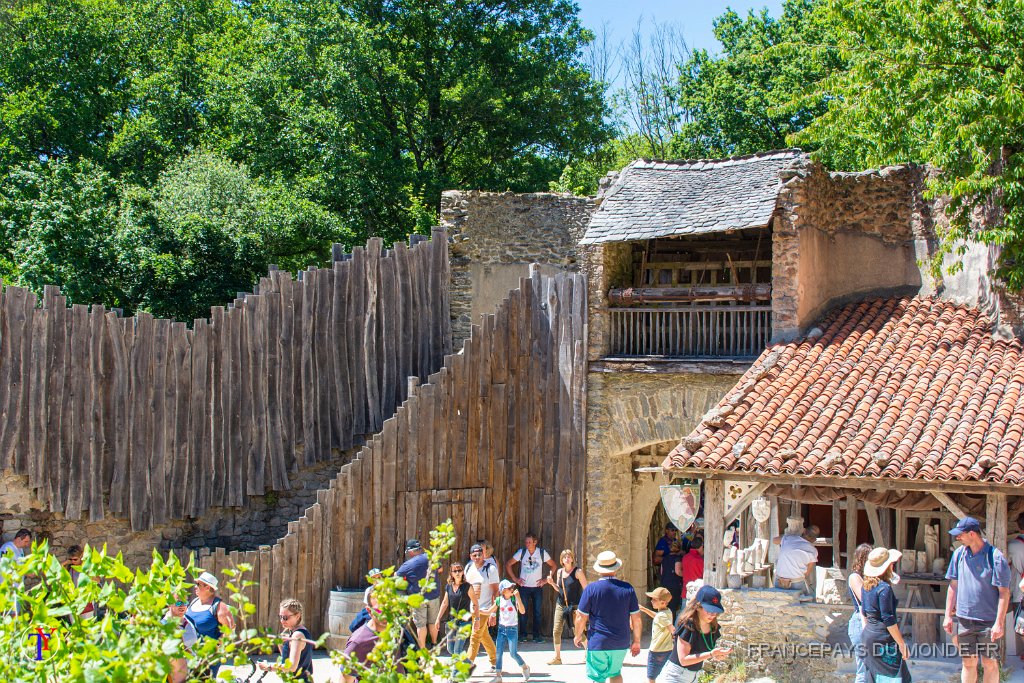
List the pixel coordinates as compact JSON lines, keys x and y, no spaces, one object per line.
{"x":342,"y":609}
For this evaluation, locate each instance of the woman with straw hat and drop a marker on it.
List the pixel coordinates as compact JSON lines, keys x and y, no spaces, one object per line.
{"x":885,"y":650}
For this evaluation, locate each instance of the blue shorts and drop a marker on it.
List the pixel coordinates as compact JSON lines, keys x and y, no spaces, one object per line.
{"x":656,"y":662}
{"x":604,"y":664}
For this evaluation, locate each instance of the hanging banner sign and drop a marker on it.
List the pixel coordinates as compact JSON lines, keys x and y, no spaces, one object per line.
{"x":682,"y":502}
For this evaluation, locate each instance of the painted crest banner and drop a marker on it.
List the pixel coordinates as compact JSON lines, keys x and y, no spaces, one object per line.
{"x":682,"y":503}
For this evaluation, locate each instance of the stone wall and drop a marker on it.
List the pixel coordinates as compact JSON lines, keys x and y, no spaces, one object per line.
{"x":626,"y":413}
{"x":605,"y":265}
{"x":764,"y":625}
{"x":494,"y":237}
{"x":261,"y":522}
{"x":843,"y":235}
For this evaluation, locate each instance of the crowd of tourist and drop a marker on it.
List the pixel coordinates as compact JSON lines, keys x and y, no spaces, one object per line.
{"x":604,"y":615}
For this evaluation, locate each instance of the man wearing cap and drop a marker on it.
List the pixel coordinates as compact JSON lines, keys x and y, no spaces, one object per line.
{"x":978,"y":597}
{"x":609,"y":614}
{"x":661,"y":549}
{"x":414,"y":570}
{"x":483,"y":577}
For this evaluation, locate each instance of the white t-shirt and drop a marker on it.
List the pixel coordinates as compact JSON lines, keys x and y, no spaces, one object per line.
{"x":9,"y":547}
{"x":508,"y":615}
{"x":795,"y":553}
{"x":486,"y":578}
{"x":1015,"y":556}
{"x":531,"y":566}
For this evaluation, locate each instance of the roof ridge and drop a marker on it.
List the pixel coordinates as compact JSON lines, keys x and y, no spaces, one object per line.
{"x":646,"y":162}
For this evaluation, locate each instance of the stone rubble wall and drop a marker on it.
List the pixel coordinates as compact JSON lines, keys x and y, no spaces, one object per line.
{"x":495,"y":236}
{"x":262,"y":521}
{"x":767,"y":627}
{"x":625,"y":412}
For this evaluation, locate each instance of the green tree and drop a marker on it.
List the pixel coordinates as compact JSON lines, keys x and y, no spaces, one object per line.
{"x":208,"y":230}
{"x":750,"y":97}
{"x":939,"y":82}
{"x":58,"y":226}
{"x":130,"y":639}
{"x":487,"y":93}
{"x":62,"y":78}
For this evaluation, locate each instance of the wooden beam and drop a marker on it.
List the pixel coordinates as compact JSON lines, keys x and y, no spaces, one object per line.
{"x":995,"y":517}
{"x":876,"y":527}
{"x":949,"y":504}
{"x":851,"y":530}
{"x":714,"y":530}
{"x":744,"y":502}
{"x":901,"y":530}
{"x":975,"y":487}
{"x":836,"y":545}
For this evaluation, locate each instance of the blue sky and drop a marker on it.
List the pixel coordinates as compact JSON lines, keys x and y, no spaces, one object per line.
{"x":693,"y":16}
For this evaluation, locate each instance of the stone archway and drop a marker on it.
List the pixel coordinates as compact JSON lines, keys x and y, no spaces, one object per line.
{"x":633,"y":420}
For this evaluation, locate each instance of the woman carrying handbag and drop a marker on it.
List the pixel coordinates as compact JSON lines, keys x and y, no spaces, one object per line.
{"x":568,"y":582}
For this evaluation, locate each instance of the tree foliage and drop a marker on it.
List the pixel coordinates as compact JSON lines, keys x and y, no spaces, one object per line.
{"x":750,"y":97}
{"x":347,"y":120}
{"x":132,"y":639}
{"x":939,"y":82}
{"x":129,"y":640}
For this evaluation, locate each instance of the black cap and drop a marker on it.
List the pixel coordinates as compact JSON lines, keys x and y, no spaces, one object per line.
{"x":476,"y":548}
{"x":412,"y":544}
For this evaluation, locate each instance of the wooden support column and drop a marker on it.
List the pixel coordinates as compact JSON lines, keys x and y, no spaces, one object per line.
{"x":837,"y":560}
{"x":714,"y":530}
{"x":901,"y":530}
{"x":949,"y":504}
{"x":876,"y":528}
{"x":995,"y":520}
{"x":851,"y":530}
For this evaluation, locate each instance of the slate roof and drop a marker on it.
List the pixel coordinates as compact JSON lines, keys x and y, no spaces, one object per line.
{"x":914,"y":388}
{"x":664,"y":198}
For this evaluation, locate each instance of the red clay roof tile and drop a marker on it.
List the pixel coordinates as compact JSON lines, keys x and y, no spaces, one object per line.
{"x":914,"y":388}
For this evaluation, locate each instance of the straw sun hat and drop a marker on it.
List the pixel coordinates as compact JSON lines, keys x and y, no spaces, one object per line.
{"x":879,"y":559}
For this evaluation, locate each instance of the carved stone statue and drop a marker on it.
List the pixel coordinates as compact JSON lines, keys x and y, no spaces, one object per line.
{"x":761,"y":510}
{"x":931,"y":543}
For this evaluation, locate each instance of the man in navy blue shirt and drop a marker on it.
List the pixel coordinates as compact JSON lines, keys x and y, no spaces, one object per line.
{"x":609,"y":614}
{"x":415,"y":570}
{"x":979,"y":592}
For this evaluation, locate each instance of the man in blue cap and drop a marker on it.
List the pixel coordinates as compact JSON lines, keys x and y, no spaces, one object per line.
{"x":979,"y":595}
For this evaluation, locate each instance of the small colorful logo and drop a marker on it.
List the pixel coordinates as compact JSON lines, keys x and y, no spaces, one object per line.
{"x":40,"y":643}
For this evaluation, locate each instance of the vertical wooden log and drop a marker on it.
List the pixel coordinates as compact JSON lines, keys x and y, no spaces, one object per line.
{"x":80,"y":397}
{"x":851,"y":530}
{"x":38,"y":399}
{"x":309,"y":379}
{"x":371,"y":334}
{"x":56,"y":461}
{"x":159,"y":480}
{"x":714,"y":528}
{"x":141,"y":415}
{"x":341,"y":388}
{"x":995,"y":520}
{"x":201,"y":461}
{"x":100,"y":379}
{"x":120,"y":350}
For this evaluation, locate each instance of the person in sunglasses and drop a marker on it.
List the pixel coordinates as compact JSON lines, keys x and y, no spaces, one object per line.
{"x":458,"y":602}
{"x":297,"y":648}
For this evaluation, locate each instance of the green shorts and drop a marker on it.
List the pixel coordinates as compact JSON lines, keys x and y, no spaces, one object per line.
{"x":603,"y":664}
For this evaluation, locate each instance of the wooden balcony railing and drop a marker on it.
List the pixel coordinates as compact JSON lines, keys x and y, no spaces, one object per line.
{"x":691,"y":331}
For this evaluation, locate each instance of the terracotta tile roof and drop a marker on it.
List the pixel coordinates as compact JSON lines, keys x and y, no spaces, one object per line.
{"x":662,"y":198}
{"x":914,"y":388}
